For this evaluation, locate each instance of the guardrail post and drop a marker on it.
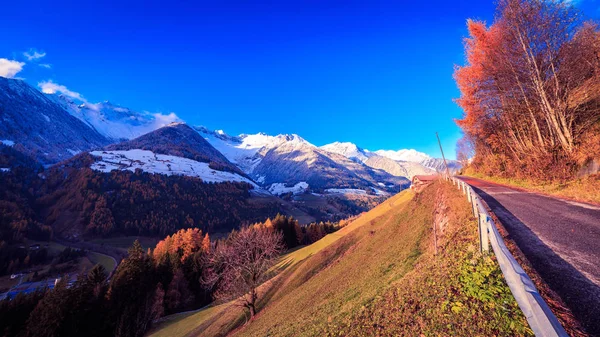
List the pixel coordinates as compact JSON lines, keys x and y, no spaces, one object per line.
{"x":484,"y":241}
{"x":469,"y":196}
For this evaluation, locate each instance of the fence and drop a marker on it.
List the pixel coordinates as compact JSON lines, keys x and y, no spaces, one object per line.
{"x":541,"y":319}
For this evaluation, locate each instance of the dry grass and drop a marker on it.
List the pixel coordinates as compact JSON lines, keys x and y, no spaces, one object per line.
{"x":586,"y":189}
{"x":206,"y":323}
{"x":378,"y":276}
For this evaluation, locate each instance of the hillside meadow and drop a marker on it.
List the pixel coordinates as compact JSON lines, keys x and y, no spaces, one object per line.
{"x":378,"y":276}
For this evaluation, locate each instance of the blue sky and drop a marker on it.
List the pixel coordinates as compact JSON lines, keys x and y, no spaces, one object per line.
{"x":375,"y":73}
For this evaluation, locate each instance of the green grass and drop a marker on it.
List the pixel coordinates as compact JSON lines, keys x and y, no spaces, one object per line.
{"x":180,"y":325}
{"x":106,"y":261}
{"x":124,"y":242}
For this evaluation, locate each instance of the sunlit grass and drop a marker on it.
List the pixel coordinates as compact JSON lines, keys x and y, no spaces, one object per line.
{"x":585,"y":189}
{"x":376,"y":276}
{"x":183,"y":324}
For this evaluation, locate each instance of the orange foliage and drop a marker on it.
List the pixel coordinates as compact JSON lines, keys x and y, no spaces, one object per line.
{"x":182,"y":244}
{"x":530,"y":90}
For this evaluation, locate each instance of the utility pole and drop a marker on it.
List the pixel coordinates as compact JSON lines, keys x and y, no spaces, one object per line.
{"x":443,"y":157}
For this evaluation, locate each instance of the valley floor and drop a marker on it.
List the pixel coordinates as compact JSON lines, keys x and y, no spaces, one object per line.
{"x":379,"y":276}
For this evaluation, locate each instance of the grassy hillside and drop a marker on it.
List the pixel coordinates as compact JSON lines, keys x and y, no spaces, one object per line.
{"x":379,"y":276}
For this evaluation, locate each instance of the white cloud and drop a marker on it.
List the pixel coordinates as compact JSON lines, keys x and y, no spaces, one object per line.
{"x":49,"y":87}
{"x":33,"y":54}
{"x":45,"y":65}
{"x":9,"y":68}
{"x":161,"y":120}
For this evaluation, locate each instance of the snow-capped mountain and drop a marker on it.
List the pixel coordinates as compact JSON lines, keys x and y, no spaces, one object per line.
{"x":410,"y":155}
{"x":438,"y":164}
{"x":289,"y":163}
{"x":243,"y":150}
{"x":383,"y":160}
{"x":173,"y":149}
{"x":113,"y":121}
{"x":414,"y":156}
{"x":398,"y":168}
{"x":36,"y":126}
{"x":348,"y":150}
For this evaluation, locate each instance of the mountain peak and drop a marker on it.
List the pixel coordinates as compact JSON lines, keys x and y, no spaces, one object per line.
{"x":409,"y":155}
{"x":348,"y":150}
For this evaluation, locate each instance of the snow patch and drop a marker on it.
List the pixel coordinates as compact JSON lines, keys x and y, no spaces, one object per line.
{"x":4,"y":169}
{"x":151,"y":162}
{"x":74,"y":152}
{"x":379,"y":192}
{"x":46,"y":117}
{"x":7,"y":142}
{"x":280,"y":188}
{"x":345,"y":191}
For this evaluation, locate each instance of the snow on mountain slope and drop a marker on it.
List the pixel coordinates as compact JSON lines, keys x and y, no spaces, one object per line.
{"x":413,"y":156}
{"x":404,"y":155}
{"x":180,"y":140}
{"x":243,"y":150}
{"x":348,"y":150}
{"x":284,"y":161}
{"x":438,"y":164}
{"x":279,"y":188}
{"x":113,"y":121}
{"x":382,"y":159}
{"x":151,"y":162}
{"x":36,"y":126}
{"x":398,"y":168}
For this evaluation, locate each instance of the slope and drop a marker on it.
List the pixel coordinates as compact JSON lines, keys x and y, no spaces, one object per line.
{"x":153,"y":185}
{"x":379,"y":276}
{"x":114,"y":122}
{"x":398,"y":168}
{"x":284,"y":161}
{"x":179,"y":140}
{"x":40,"y":128}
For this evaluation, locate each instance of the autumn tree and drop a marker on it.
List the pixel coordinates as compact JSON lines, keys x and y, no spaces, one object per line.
{"x":529,"y":91}
{"x":465,"y":150}
{"x":240,"y":264}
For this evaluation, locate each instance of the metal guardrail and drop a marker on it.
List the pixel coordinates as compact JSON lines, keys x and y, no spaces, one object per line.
{"x":541,"y":319}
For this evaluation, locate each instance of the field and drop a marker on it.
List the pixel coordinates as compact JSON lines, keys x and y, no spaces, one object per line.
{"x":124,"y":242}
{"x":54,"y":248}
{"x":379,"y":276}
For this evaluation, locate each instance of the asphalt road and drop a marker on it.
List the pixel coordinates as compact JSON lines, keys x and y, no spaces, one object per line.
{"x":561,"y":239}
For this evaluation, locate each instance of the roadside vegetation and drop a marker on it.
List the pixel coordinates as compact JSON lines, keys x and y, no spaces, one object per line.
{"x":586,"y":189}
{"x":378,"y":276}
{"x":529,"y":92}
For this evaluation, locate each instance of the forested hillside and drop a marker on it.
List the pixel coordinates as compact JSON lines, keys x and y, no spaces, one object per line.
{"x":79,"y":201}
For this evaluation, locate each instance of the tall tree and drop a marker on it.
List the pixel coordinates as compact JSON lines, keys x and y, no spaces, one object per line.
{"x":132,"y":292}
{"x":529,"y":90}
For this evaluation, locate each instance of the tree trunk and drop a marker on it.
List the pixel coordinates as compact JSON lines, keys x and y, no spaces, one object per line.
{"x":252,"y":311}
